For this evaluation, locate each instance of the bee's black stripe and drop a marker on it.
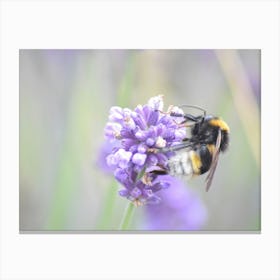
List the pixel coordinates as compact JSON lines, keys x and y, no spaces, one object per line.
{"x":206,"y":158}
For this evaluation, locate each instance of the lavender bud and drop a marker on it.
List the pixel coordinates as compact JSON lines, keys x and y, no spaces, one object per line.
{"x":139,"y":159}
{"x":156,"y":103}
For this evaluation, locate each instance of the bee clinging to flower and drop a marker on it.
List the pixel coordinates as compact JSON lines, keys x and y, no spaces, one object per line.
{"x":199,"y":153}
{"x":149,"y":142}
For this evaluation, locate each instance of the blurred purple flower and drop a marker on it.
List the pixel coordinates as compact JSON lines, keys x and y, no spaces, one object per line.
{"x":139,"y":133}
{"x":180,"y":209}
{"x":104,"y":151}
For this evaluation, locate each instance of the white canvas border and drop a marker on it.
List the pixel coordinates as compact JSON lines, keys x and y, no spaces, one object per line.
{"x":155,"y":24}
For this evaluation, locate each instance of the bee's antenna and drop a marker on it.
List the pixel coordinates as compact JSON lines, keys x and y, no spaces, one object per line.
{"x":194,"y":106}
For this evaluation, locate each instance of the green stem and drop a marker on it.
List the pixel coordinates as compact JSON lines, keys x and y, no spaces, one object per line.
{"x":127,"y":216}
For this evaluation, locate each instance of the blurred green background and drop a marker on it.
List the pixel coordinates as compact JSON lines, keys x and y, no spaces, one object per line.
{"x":65,"y":96}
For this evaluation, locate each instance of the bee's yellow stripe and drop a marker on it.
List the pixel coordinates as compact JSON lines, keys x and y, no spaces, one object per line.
{"x":220,"y":123}
{"x":196,"y":162}
{"x":211,"y":148}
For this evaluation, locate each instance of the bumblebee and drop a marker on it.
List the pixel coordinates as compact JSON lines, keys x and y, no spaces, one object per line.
{"x":198,"y":154}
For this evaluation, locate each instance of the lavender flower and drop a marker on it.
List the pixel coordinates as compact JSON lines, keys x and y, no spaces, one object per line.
{"x":104,"y":151}
{"x":140,"y":133}
{"x":180,"y":209}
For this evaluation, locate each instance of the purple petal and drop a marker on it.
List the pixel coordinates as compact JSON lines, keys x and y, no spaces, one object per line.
{"x":156,"y":103}
{"x":142,"y":149}
{"x":141,"y":135}
{"x":129,"y":123}
{"x":162,"y":185}
{"x":162,"y":159}
{"x":128,"y":143}
{"x":160,"y":129}
{"x":116,"y":114}
{"x":152,"y":160}
{"x":139,"y":159}
{"x":169,"y":134}
{"x":153,"y":200}
{"x":133,"y":148}
{"x":123,"y":192}
{"x":136,"y":192}
{"x":150,"y":142}
{"x":180,"y":134}
{"x":146,"y":112}
{"x":105,"y":150}
{"x":122,"y":176}
{"x":127,"y":133}
{"x":112,"y":130}
{"x":111,"y":160}
{"x":139,"y":118}
{"x":153,"y":118}
{"x":124,"y":157}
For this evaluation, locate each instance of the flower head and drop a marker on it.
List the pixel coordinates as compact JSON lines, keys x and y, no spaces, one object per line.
{"x":139,"y":133}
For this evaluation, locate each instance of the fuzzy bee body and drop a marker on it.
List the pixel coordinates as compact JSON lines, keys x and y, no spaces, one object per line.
{"x":199,"y":153}
{"x":181,"y":164}
{"x":191,"y":162}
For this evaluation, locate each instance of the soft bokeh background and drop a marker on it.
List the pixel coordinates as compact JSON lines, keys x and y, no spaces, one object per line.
{"x":65,"y":96}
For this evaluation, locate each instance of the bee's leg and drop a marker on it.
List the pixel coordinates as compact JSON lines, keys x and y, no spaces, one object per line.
{"x":189,"y":120}
{"x":148,"y":177}
{"x":187,"y":142}
{"x":185,"y":123}
{"x":169,"y":110}
{"x":187,"y":117}
{"x":159,"y":172}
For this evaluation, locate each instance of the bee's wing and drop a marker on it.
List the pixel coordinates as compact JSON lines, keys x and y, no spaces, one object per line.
{"x":177,"y":147}
{"x":214,"y":162}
